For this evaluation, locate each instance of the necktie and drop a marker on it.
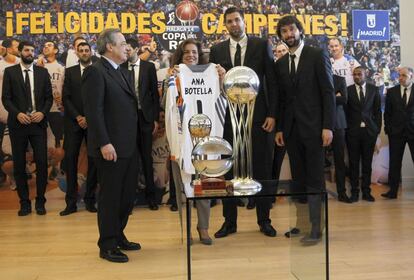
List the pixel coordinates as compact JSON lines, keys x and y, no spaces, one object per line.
{"x":28,"y":91}
{"x":133,"y":74}
{"x":405,"y":96}
{"x":361,"y":95}
{"x":292,"y":67}
{"x":237,"y":56}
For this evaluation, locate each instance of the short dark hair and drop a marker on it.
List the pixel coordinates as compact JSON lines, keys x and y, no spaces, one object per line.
{"x":54,"y":44}
{"x":84,"y":44}
{"x":360,"y":67}
{"x":7,"y":43}
{"x":231,"y":10}
{"x":288,"y":20}
{"x":76,"y":39}
{"x":177,"y":57}
{"x":133,"y":42}
{"x":22,"y":44}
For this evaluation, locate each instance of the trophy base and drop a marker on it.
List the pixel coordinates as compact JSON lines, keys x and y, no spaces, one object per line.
{"x":212,"y":186}
{"x":246,"y":186}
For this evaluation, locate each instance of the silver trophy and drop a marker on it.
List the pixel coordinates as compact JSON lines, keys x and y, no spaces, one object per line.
{"x":241,"y":85}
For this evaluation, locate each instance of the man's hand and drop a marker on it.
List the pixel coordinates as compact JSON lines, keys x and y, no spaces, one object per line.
{"x":108,"y":152}
{"x":279,"y":139}
{"x":23,"y":118}
{"x":82,"y":122}
{"x":37,"y":117}
{"x":269,"y":124}
{"x":327,"y":136}
{"x":154,"y":131}
{"x":221,"y":73}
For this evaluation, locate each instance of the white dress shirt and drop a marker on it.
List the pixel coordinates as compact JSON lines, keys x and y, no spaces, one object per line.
{"x":233,"y":48}
{"x":31,"y":79}
{"x":298,"y":52}
{"x":136,"y":77}
{"x":359,"y":95}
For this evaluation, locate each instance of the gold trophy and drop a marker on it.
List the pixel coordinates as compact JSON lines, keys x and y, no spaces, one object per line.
{"x":206,"y":157}
{"x":241,"y":85}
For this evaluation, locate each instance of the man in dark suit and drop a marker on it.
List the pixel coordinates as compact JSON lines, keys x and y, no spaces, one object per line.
{"x":363,"y":114}
{"x":338,"y":141}
{"x":241,"y":50}
{"x":144,"y":80}
{"x":75,"y":132}
{"x":399,"y":126}
{"x":306,"y":115}
{"x":111,"y":111}
{"x":27,"y":96}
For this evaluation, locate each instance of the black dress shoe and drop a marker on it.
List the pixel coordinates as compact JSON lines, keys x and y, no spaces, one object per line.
{"x":342,"y":197}
{"x":240,"y":202}
{"x":114,"y":255}
{"x":68,"y":211}
{"x":24,"y":211}
{"x":354,"y":197}
{"x":368,"y":197}
{"x":389,"y":195}
{"x":40,"y":210}
{"x":90,"y":207}
{"x":152,"y":205}
{"x":174,"y":207}
{"x":225,"y":230}
{"x":251,"y":204}
{"x":268,"y":230}
{"x":129,"y":246}
{"x":293,"y":232}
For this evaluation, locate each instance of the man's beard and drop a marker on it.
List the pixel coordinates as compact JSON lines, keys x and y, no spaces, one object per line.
{"x":85,"y":61}
{"x":27,"y":60}
{"x":294,"y":44}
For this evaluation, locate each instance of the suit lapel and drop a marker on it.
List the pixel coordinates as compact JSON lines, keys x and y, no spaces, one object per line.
{"x":249,"y":52}
{"x":302,"y":60}
{"x":410,"y":100}
{"x":117,"y":76}
{"x":36,"y":81}
{"x":226,"y":53}
{"x":140,"y":77}
{"x":19,"y":75}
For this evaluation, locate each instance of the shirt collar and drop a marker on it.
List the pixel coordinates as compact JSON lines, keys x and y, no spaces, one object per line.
{"x":408,"y":88}
{"x":242,"y":42}
{"x":136,"y":63}
{"x":298,"y":51}
{"x":24,"y":68}
{"x":114,"y":65}
{"x":83,"y":67}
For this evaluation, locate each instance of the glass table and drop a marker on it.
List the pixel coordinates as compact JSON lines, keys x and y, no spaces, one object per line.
{"x":303,"y":251}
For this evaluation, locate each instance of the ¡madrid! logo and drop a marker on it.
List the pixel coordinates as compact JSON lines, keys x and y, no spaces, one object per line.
{"x":371,"y":20}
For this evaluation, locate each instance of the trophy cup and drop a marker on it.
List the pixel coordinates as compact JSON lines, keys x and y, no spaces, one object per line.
{"x":241,"y":85}
{"x":206,"y":157}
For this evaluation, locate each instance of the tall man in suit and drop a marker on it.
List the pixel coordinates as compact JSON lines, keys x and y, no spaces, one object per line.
{"x":338,"y":141}
{"x":111,"y":111}
{"x":399,"y":126}
{"x":363,"y":114}
{"x":306,"y":116}
{"x":75,"y":132}
{"x":144,"y":80}
{"x":243,"y":50}
{"x":27,"y":96}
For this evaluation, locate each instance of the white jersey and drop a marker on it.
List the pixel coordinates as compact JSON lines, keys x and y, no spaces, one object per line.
{"x":199,"y":84}
{"x":57,"y":75}
{"x":172,"y":119}
{"x":3,"y":65}
{"x":343,"y":67}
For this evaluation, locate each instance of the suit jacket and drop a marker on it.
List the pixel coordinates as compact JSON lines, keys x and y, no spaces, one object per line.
{"x":14,"y":94}
{"x":340,"y":86}
{"x":148,"y":89}
{"x":72,"y":98}
{"x":369,"y":112}
{"x":399,"y":117}
{"x":309,"y":100}
{"x":258,"y":57}
{"x":110,"y":108}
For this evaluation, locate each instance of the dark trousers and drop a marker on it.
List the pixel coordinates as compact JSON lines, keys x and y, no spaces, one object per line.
{"x":145,"y":150}
{"x":262,"y":147}
{"x":72,"y":144}
{"x":397,"y":147}
{"x":361,"y":146}
{"x":118,"y":181}
{"x":55,"y":120}
{"x":20,"y":138}
{"x":279,"y":155}
{"x":338,"y":147}
{"x":306,"y":157}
